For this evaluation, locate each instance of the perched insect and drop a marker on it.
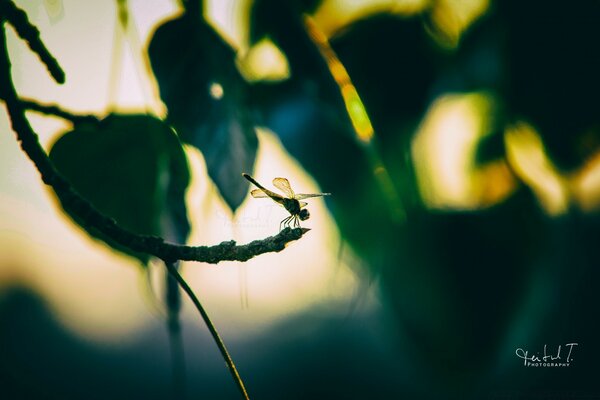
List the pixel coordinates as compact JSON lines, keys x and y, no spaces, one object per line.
{"x":291,"y":203}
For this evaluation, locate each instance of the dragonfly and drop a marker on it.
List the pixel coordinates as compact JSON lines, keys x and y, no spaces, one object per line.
{"x":291,"y":201}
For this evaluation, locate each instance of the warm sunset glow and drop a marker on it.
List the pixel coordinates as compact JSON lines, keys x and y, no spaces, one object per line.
{"x":527,"y":156}
{"x":334,"y":15}
{"x":264,"y":61}
{"x":453,"y":17}
{"x":444,"y":154}
{"x":585,"y":185}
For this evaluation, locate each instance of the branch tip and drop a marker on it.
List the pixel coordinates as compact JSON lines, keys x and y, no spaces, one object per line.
{"x":30,"y":34}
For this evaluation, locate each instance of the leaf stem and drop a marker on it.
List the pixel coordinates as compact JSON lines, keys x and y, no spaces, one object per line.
{"x":213,"y":331}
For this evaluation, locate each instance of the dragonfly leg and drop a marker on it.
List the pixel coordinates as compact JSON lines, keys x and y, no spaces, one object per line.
{"x":284,"y":222}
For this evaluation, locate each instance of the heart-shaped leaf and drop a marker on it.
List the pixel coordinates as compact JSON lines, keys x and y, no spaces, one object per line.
{"x":207,"y":100}
{"x":133,"y":169}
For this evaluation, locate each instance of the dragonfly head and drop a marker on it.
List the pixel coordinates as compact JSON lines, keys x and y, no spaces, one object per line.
{"x":304,"y":214}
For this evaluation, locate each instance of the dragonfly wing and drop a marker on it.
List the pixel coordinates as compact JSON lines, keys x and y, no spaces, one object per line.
{"x":258,"y":193}
{"x":303,"y":204}
{"x":301,"y":196}
{"x":261,"y":193}
{"x":284,"y":185}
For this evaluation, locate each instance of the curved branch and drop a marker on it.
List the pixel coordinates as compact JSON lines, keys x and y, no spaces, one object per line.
{"x":92,"y":218}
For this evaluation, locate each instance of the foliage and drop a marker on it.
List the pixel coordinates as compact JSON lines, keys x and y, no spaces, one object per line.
{"x":133,"y":169}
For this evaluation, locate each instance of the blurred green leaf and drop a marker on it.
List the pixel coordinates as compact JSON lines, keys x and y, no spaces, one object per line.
{"x":207,"y":100}
{"x":133,"y":169}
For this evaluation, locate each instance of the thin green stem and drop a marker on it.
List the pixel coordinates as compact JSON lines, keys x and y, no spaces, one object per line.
{"x":211,"y":328}
{"x":176,"y":346}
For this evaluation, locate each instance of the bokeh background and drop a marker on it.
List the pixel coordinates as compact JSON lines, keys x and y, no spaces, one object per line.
{"x":460,"y":141}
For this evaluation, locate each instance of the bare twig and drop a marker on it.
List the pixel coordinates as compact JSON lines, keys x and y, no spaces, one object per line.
{"x":57,"y":111}
{"x":19,"y":20}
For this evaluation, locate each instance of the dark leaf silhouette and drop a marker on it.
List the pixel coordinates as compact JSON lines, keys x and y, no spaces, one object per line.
{"x":133,"y":169}
{"x":207,"y":100}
